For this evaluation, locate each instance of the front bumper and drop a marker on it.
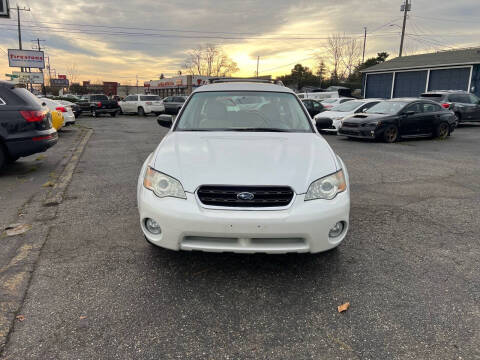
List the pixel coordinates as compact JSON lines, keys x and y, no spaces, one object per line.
{"x":186,"y":225}
{"x":359,"y":132}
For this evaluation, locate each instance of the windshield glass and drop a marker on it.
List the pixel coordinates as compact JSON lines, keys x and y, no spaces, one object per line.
{"x":387,"y":107}
{"x":243,"y":111}
{"x":348,"y":106}
{"x":329,"y":101}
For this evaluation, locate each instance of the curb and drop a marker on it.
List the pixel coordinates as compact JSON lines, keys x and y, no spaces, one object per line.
{"x":55,"y":197}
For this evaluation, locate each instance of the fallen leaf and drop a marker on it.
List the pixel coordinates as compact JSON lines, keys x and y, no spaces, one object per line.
{"x":83,"y":317}
{"x":17,"y":229}
{"x":343,"y":307}
{"x":20,"y":318}
{"x":49,"y":184}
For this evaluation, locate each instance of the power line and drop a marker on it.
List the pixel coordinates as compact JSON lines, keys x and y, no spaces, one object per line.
{"x":458,"y":21}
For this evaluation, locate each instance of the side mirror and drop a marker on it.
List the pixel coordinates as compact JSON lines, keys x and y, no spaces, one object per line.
{"x":323,"y":123}
{"x":409,"y":113}
{"x":165,"y":121}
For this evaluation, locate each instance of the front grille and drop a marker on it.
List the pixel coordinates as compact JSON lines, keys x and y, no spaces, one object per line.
{"x":263,"y":196}
{"x":350,"y":124}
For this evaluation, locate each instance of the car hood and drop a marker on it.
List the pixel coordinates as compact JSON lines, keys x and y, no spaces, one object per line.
{"x":334,"y":114}
{"x":364,"y":118}
{"x":244,"y":158}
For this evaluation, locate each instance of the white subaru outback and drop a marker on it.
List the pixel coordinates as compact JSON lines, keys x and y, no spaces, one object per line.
{"x":243,"y":169}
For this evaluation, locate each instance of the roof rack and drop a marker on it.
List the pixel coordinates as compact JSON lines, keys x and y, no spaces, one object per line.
{"x":253,"y":80}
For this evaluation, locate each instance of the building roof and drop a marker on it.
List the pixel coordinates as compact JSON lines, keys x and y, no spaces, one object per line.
{"x":441,"y":58}
{"x":243,"y":86}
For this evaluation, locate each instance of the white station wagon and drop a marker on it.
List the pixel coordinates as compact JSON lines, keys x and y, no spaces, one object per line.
{"x":243,"y":169}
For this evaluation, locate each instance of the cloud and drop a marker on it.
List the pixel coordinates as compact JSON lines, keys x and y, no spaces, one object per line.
{"x":126,"y":38}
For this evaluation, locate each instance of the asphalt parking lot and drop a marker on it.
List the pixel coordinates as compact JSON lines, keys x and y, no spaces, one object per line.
{"x":409,"y":267}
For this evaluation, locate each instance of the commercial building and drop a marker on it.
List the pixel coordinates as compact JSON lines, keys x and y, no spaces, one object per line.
{"x":409,"y":76}
{"x":179,"y":85}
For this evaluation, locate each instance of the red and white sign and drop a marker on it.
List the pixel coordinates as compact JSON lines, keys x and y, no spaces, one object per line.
{"x":62,"y":76}
{"x":26,"y":58}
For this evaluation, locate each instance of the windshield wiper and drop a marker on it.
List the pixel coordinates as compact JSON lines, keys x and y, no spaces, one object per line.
{"x":261,"y":129}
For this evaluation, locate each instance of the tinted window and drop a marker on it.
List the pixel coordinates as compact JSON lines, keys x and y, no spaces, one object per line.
{"x":179,"y":99}
{"x":130,"y":98}
{"x":474,"y":99}
{"x":416,"y":108}
{"x":317,"y":105}
{"x":427,"y":107}
{"x":150,"y":98}
{"x":345,"y":100}
{"x":434,"y":97}
{"x":460,"y":98}
{"x":244,"y":111}
{"x":100,"y":98}
{"x":307,"y":103}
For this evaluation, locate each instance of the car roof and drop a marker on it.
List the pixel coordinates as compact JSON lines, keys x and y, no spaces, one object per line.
{"x":243,"y":86}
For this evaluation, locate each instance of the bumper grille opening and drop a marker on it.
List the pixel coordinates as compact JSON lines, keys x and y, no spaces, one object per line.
{"x":350,"y":124}
{"x":260,"y":196}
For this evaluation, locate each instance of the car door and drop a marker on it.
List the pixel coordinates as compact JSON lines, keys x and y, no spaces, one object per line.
{"x":412,"y":115}
{"x":463,"y":106}
{"x":476,"y":102}
{"x":309,"y":106}
{"x":168,"y":104}
{"x":430,"y":112}
{"x":317,"y":108}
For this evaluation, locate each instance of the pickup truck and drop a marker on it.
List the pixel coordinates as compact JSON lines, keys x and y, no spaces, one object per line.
{"x":98,"y":104}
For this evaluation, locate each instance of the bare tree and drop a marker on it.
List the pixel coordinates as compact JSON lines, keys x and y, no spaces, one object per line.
{"x":72,"y":73}
{"x":209,"y":60}
{"x":335,"y":48}
{"x":351,"y":55}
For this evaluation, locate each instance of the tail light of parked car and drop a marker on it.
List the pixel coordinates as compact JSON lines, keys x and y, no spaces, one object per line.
{"x":148,"y":103}
{"x":61,"y":109}
{"x":99,"y":104}
{"x":33,"y":116}
{"x":446,"y":105}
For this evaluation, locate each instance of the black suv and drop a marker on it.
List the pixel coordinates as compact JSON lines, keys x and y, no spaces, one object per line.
{"x":25,"y":127}
{"x":466,"y":106}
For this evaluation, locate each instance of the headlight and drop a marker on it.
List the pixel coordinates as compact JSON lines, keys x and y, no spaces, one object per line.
{"x":163,"y":185}
{"x":327,"y":187}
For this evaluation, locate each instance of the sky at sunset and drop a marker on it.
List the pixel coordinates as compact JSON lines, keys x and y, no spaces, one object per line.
{"x":118,"y":40}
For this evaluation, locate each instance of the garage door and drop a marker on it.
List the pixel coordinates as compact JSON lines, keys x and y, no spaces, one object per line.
{"x":410,"y":83}
{"x":449,"y":79}
{"x":379,"y":86}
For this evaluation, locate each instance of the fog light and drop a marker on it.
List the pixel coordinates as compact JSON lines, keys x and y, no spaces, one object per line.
{"x":152,"y":226}
{"x":337,"y":229}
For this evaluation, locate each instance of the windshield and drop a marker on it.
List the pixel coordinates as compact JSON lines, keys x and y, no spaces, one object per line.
{"x":244,"y":111}
{"x":348,"y":106}
{"x":387,"y":107}
{"x":330,"y":101}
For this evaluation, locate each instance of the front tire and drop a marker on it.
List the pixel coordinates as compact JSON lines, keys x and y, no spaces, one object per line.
{"x":457,"y":119}
{"x":113,"y":114}
{"x":442,"y":131}
{"x":390,"y":135}
{"x":3,"y":157}
{"x":141,"y":112}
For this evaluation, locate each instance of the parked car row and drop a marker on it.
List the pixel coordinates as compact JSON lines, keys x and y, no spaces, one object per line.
{"x":25,"y":124}
{"x":147,"y":104}
{"x":435,"y":113}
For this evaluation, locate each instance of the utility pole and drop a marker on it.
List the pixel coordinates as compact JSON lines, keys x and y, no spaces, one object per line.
{"x":364,"y":44}
{"x":44,"y":90}
{"x":136,"y":77}
{"x":19,"y":27}
{"x":405,"y":8}
{"x":258,"y":63}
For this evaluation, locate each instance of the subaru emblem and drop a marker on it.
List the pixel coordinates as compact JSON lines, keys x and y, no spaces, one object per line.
{"x":245,"y":196}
